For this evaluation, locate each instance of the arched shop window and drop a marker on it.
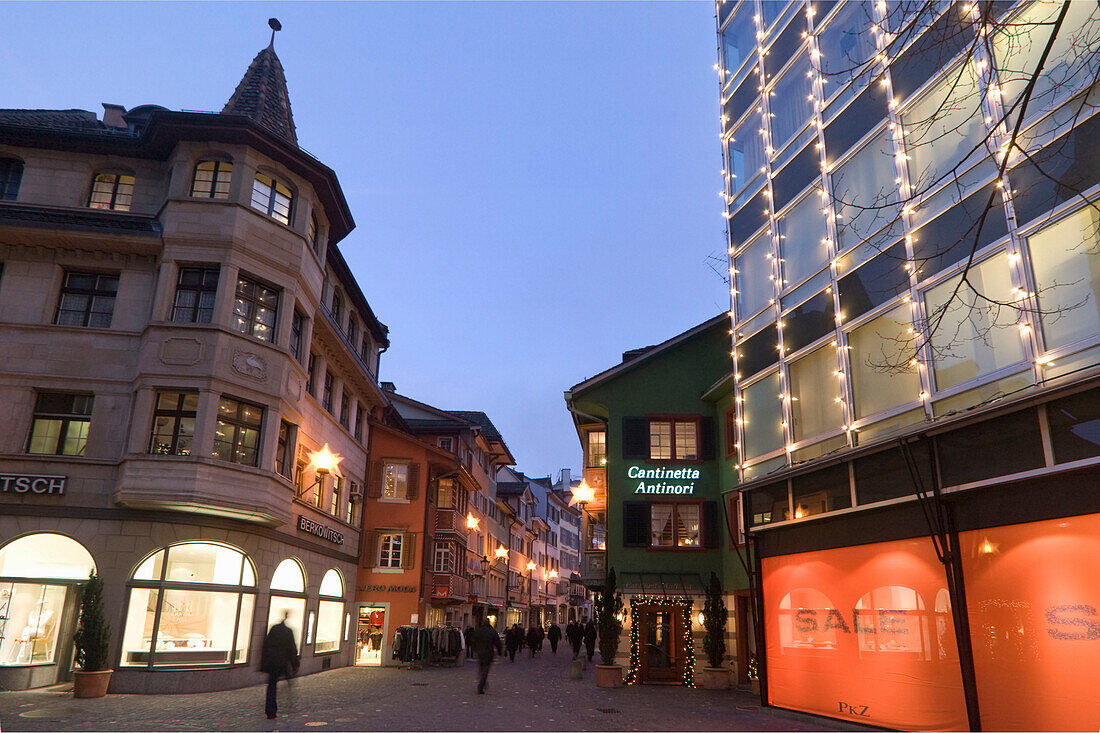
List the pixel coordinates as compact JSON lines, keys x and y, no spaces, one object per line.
{"x":288,"y":597}
{"x":330,"y":612}
{"x":808,"y":620}
{"x":36,"y":574}
{"x":190,"y":604}
{"x":892,"y":618}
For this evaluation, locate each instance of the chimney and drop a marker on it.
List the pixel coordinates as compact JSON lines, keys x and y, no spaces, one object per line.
{"x":388,"y":387}
{"x":112,"y":116}
{"x":566,"y":479}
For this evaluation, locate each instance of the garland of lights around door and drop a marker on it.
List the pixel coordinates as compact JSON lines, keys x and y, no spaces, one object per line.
{"x":685,"y":608}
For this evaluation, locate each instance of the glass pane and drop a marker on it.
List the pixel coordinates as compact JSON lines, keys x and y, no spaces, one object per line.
{"x":291,"y":611}
{"x":244,"y":627}
{"x":660,"y":520}
{"x":686,"y":441}
{"x":76,"y":438}
{"x":44,"y":436}
{"x":201,"y":563}
{"x":660,"y":440}
{"x":745,"y":151}
{"x":395,"y":481}
{"x":196,"y":627}
{"x":944,"y":127}
{"x":330,"y":614}
{"x":332,"y":585}
{"x":846,"y":45}
{"x":687,"y":525}
{"x":769,"y":504}
{"x":739,"y":38}
{"x":974,"y":336}
{"x":1068,"y":68}
{"x":880,"y":352}
{"x":150,"y":569}
{"x":880,"y":280}
{"x":137,"y":636}
{"x":803,"y":242}
{"x":1075,"y":426}
{"x":865,"y":195}
{"x":791,"y":102}
{"x":33,"y":615}
{"x":808,"y":322}
{"x":821,"y":491}
{"x":816,"y":396}
{"x":1066,"y":260}
{"x":762,"y":417}
{"x":753,"y":275}
{"x":289,"y":576}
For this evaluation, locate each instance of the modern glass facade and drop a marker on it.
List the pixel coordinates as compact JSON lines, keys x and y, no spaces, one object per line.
{"x":883,"y":273}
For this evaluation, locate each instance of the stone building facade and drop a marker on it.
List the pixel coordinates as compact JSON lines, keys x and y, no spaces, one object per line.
{"x":184,"y":350}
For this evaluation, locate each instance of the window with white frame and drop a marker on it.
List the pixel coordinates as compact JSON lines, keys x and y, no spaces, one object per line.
{"x":1065,"y":257}
{"x":444,"y":558}
{"x":389,"y":550}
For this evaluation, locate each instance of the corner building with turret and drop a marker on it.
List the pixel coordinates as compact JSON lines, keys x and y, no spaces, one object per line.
{"x":185,"y":349}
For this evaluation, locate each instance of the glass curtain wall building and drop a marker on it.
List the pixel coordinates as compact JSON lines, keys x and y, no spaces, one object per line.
{"x":915,"y":280}
{"x":861,"y":150}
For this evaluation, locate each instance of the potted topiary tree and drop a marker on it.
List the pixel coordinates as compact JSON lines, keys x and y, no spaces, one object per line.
{"x":715,"y":677}
{"x":608,"y":607}
{"x":92,"y":640}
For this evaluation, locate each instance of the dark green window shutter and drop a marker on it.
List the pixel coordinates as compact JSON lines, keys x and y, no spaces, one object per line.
{"x":635,"y":438}
{"x":635,"y":524}
{"x":706,"y":427}
{"x":710,"y":524}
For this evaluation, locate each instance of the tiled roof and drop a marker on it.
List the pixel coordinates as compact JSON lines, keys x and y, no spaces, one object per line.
{"x":262,"y":96}
{"x":76,"y":120}
{"x":427,"y":425}
{"x":480,"y":418}
{"x":510,"y":487}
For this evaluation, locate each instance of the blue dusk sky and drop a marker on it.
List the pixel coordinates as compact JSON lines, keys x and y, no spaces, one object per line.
{"x":534,"y":185}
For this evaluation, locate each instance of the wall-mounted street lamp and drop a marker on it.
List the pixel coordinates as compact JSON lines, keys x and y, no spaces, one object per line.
{"x":322,"y":462}
{"x":471,"y":521}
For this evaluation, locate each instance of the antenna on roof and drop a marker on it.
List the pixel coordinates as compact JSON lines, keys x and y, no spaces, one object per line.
{"x":274,"y":25}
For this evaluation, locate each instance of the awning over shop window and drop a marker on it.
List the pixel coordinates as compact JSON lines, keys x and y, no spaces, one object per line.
{"x":661,"y":584}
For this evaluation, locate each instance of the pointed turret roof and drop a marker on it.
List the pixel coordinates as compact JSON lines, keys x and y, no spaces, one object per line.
{"x":262,"y":95}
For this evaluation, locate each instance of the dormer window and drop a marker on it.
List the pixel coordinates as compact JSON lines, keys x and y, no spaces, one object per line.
{"x":212,"y":178}
{"x":11,"y":175}
{"x":112,"y":191}
{"x":272,"y":198}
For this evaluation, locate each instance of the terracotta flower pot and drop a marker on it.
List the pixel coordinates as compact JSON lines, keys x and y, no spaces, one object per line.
{"x":609,"y":675}
{"x":716,"y":678}
{"x":91,"y":684}
{"x":754,"y":685}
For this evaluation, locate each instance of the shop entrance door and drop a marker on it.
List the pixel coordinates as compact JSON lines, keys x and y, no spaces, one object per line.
{"x":369,"y":636}
{"x":661,"y":636}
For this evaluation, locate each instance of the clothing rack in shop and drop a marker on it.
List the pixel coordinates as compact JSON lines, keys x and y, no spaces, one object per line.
{"x":446,"y":645}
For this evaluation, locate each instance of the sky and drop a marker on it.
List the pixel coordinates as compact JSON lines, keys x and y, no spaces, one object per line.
{"x":534,"y":185}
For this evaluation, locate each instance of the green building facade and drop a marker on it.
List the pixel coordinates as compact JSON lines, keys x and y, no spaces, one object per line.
{"x":657,"y":459}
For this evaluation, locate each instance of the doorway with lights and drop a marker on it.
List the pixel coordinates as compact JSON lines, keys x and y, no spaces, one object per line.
{"x":662,"y":643}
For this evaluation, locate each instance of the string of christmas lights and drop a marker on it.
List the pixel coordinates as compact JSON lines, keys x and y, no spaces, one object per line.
{"x":685,"y":603}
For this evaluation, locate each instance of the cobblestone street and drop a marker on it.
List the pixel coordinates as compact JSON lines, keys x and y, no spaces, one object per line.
{"x":525,"y":695}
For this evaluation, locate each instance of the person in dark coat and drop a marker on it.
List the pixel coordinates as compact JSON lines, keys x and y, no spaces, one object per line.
{"x":575,"y":633}
{"x":590,"y":639}
{"x":278,"y":658}
{"x":534,"y":643}
{"x":485,"y":643}
{"x":468,"y":637}
{"x":554,"y":635}
{"x":513,"y":640}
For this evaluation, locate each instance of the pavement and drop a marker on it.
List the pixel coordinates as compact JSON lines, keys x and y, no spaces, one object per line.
{"x":528,"y":694}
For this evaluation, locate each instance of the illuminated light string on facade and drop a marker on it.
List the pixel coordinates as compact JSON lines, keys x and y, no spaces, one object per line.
{"x":684,"y":605}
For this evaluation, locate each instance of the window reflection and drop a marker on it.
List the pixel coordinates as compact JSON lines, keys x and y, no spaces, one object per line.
{"x":892,"y":619}
{"x":808,"y":620}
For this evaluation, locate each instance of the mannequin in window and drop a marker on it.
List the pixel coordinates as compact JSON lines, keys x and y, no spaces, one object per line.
{"x":39,"y":624}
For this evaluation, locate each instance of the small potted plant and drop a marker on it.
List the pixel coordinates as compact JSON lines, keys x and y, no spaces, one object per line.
{"x":92,"y":641}
{"x":754,"y":674}
{"x":608,"y":607}
{"x":715,"y":677}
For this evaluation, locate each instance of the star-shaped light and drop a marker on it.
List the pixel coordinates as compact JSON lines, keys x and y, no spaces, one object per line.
{"x":471,"y":521}
{"x":582,"y":494}
{"x":325,"y":461}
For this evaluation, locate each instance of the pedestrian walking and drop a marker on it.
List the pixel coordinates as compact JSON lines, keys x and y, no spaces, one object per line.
{"x":486,"y":644}
{"x":590,"y":639}
{"x":468,"y":637}
{"x":278,"y":658}
{"x":575,"y":633}
{"x":554,"y":635}
{"x":513,"y":640}
{"x":533,"y":641}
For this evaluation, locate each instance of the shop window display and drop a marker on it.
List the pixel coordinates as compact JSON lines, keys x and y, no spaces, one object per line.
{"x":31,"y":613}
{"x":288,"y":597}
{"x":330,"y":611}
{"x":172,"y":620}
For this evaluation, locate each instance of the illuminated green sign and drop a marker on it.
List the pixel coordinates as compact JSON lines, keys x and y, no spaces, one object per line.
{"x":662,"y":480}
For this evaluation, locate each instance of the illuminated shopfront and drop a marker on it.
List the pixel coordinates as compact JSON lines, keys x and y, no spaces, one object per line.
{"x":190,"y":604}
{"x":39,"y":577}
{"x":288,"y":597}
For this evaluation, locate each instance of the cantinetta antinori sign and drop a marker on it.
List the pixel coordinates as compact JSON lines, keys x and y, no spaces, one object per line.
{"x":663,"y":480}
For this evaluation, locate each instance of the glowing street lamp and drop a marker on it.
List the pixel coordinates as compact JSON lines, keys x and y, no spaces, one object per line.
{"x":530,"y":565}
{"x":502,"y":554}
{"x":471,"y":522}
{"x":583,"y":494}
{"x":325,"y":461}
